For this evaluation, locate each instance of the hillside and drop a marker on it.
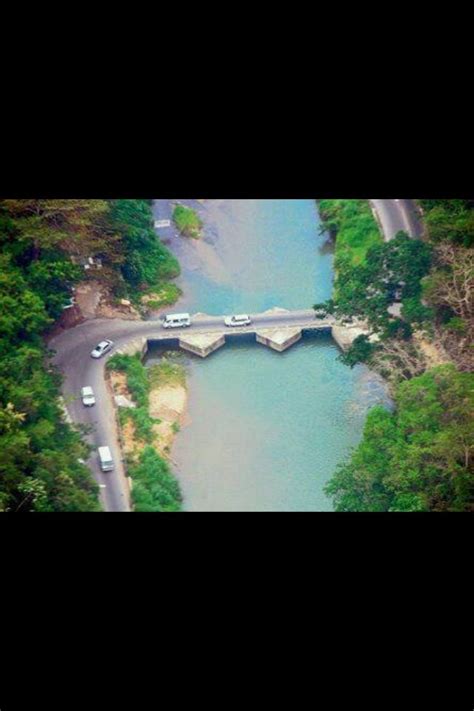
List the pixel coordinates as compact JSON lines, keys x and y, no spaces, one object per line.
{"x":46,"y":246}
{"x":417,"y":297}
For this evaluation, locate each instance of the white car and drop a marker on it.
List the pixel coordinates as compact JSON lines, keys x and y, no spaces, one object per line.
{"x":88,"y":397}
{"x":101,"y":349}
{"x":240,"y":320}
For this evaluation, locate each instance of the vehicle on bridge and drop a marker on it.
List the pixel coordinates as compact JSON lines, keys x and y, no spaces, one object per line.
{"x":176,"y":321}
{"x":239,"y":320}
{"x":102,"y":348}
{"x":105,"y":459}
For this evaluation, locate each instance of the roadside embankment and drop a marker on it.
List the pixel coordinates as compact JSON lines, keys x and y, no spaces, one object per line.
{"x":354,"y":225}
{"x":151,"y":404}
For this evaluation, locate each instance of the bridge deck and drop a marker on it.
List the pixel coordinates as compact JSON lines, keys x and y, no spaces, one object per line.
{"x":278,"y":329}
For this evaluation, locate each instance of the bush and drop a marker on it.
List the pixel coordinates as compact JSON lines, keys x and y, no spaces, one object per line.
{"x":155,"y":489}
{"x":137,"y":376}
{"x":187,"y":221}
{"x":147,"y":262}
{"x":361,"y":351}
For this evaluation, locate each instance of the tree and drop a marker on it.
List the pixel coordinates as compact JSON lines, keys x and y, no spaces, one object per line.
{"x":147,"y":261}
{"x":74,"y":225}
{"x":419,"y":457}
{"x":451,"y":284}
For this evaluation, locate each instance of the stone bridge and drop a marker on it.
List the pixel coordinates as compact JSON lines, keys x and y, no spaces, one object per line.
{"x":277,"y":328}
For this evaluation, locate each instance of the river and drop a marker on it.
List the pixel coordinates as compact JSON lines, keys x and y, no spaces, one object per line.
{"x":265,"y":431}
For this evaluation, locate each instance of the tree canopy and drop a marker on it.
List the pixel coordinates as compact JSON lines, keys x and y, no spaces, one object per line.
{"x":419,"y":457}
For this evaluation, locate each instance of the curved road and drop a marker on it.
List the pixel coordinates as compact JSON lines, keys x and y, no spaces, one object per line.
{"x":73,"y":347}
{"x":72,"y":356}
{"x":398,"y":216}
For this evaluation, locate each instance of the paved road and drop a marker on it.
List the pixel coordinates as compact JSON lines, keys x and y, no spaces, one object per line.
{"x":73,"y":349}
{"x":398,"y":215}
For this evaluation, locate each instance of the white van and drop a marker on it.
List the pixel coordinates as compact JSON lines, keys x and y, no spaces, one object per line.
{"x":105,"y":458}
{"x":177,"y":321}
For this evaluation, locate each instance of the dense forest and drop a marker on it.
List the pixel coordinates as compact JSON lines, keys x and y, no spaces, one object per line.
{"x":41,"y":244}
{"x":417,"y":297}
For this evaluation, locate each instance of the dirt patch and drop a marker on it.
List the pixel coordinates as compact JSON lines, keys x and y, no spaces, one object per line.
{"x":129,"y":445}
{"x":168,"y":404}
{"x":108,"y":309}
{"x":433,"y":352}
{"x":119,"y":384}
{"x":88,"y":295}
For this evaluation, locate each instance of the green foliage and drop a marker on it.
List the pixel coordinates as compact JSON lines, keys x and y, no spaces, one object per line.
{"x":39,"y":452}
{"x":415,"y":313}
{"x":167,"y":373}
{"x":187,"y":221}
{"x":167,"y":295}
{"x":142,"y":421}
{"x":147,"y":262}
{"x":368,"y":289}
{"x":154,"y":486}
{"x":155,"y":489}
{"x":456,"y":324}
{"x":361,"y":351}
{"x":450,"y":221}
{"x":137,"y":377}
{"x":398,"y":329}
{"x":354,"y":224}
{"x":418,"y":458}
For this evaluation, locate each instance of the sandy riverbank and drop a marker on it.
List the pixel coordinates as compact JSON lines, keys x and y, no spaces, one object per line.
{"x":167,"y":403}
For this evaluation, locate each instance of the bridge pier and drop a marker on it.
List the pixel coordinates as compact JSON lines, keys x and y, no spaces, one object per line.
{"x":203,"y":344}
{"x":279,"y":339}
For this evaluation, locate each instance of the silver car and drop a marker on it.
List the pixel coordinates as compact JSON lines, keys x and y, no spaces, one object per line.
{"x":102,"y":348}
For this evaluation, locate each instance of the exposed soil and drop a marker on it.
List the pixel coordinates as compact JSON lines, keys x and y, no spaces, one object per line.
{"x":119,"y":384}
{"x":168,"y":404}
{"x":433,"y":353}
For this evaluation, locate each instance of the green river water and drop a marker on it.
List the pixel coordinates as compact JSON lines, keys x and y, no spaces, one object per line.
{"x":265,"y":431}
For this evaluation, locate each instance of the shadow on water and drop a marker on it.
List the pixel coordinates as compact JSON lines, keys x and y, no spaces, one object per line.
{"x":236,"y":341}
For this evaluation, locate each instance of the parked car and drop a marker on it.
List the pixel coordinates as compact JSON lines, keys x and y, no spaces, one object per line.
{"x":88,"y":397}
{"x":240,"y":320}
{"x":102,"y":348}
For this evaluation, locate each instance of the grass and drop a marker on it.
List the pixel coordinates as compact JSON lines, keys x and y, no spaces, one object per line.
{"x":187,"y":221}
{"x":166,"y":373}
{"x":167,"y":295}
{"x":355,"y":226}
{"x":139,"y":387}
{"x":137,"y":378}
{"x":155,"y":488}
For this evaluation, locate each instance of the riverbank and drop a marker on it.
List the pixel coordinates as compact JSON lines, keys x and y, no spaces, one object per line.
{"x":151,"y":405}
{"x":416,"y":456}
{"x":250,"y":442}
